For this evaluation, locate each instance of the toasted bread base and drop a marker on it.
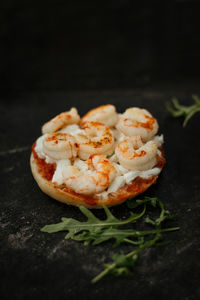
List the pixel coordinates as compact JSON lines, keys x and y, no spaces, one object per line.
{"x":68,"y":196}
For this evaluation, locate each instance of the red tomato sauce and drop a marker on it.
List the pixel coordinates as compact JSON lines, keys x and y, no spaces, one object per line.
{"x":46,"y":170}
{"x":87,"y":199}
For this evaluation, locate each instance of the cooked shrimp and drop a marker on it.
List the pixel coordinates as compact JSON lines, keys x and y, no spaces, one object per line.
{"x":93,"y":181}
{"x":98,"y":139}
{"x":61,"y":120}
{"x":134,"y":155}
{"x":105,"y":114}
{"x":59,"y":145}
{"x":137,"y":121}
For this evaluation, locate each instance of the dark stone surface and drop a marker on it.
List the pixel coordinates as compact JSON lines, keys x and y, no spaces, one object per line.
{"x":35,"y":265}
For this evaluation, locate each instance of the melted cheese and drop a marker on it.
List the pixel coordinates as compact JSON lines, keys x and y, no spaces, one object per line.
{"x":159,"y":139}
{"x":58,"y":175}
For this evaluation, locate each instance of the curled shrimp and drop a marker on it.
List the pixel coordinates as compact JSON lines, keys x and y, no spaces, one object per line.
{"x":137,"y":121}
{"x":105,"y":114}
{"x":59,"y":145}
{"x":98,"y":139}
{"x":96,"y":180}
{"x":134,"y":155}
{"x":61,"y":120}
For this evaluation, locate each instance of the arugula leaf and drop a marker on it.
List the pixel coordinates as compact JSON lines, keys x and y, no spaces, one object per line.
{"x":182,"y":110}
{"x":114,"y":268}
{"x":120,"y":236}
{"x":96,"y":231}
{"x":127,"y":261}
{"x":164,"y":215}
{"x":133,"y":203}
{"x":93,"y":225}
{"x":101,"y":236}
{"x":123,"y":264}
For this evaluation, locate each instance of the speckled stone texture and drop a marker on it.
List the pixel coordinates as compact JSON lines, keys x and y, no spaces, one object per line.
{"x":36,"y":265}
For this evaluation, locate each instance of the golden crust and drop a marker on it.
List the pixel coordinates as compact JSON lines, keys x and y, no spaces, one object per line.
{"x":68,"y":196}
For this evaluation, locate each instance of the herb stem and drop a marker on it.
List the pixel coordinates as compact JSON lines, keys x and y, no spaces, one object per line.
{"x":169,"y":229}
{"x":131,"y":242}
{"x":103,"y":273}
{"x":181,"y":110}
{"x":153,"y":231}
{"x":140,"y":248}
{"x":147,"y":244}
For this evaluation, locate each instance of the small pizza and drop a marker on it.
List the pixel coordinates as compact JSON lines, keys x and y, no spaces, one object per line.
{"x":100,"y":159}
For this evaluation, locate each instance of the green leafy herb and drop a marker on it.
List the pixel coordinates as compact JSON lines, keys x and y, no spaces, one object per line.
{"x":133,"y":203}
{"x":96,"y":231}
{"x":120,"y":235}
{"x":78,"y":230}
{"x":127,"y":261}
{"x":125,"y":269}
{"x":185,"y":111}
{"x":123,"y":265}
